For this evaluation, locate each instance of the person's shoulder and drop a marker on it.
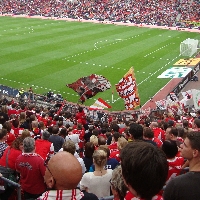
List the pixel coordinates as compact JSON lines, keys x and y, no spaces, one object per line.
{"x":89,"y":196}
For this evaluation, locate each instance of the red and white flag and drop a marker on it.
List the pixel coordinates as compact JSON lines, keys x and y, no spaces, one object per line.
{"x":127,"y":89}
{"x":99,"y":104}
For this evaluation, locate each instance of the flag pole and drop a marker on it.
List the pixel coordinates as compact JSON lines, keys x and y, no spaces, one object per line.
{"x":112,"y":96}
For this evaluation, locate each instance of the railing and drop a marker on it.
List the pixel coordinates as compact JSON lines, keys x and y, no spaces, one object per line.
{"x":16,"y":185}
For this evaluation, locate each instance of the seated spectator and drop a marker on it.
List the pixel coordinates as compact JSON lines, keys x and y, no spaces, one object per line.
{"x":142,"y":164}
{"x":186,"y":186}
{"x":31,"y":168}
{"x":118,"y":187}
{"x":97,"y":182}
{"x":175,"y":163}
{"x":43,"y":147}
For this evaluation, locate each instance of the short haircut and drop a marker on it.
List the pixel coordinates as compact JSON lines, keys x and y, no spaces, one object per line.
{"x":117,"y":182}
{"x":116,"y":136}
{"x":17,"y":142}
{"x":55,"y":129}
{"x":3,"y":133}
{"x":174,"y":131}
{"x":170,"y":148}
{"x":100,"y":157}
{"x":101,"y":140}
{"x":144,"y":168}
{"x":194,"y":138}
{"x":136,"y":130}
{"x":69,"y":146}
{"x":28,"y":144}
{"x":197,"y":122}
{"x":45,"y":135}
{"x":148,"y":133}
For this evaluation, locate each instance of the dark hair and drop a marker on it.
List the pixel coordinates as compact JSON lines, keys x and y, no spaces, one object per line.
{"x":3,"y":132}
{"x":170,"y":148}
{"x":8,"y":126}
{"x":194,"y":137}
{"x":174,"y":131}
{"x":101,"y":140}
{"x":144,"y":168}
{"x":106,"y":149}
{"x":116,"y":136}
{"x":148,"y":133}
{"x":89,"y":149}
{"x":197,"y":122}
{"x":136,"y":130}
{"x":55,"y":129}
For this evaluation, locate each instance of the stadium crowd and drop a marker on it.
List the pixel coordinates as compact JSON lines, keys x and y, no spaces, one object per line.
{"x":55,"y":154}
{"x":158,"y":12}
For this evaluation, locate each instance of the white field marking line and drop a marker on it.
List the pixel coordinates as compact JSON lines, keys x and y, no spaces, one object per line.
{"x":38,"y":87}
{"x":158,"y":49}
{"x":30,"y":28}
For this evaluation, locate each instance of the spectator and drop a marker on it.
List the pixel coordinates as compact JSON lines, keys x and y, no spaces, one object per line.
{"x":57,"y":140}
{"x":97,"y":182}
{"x":62,"y":177}
{"x":148,"y":136}
{"x":11,"y":153}
{"x":31,"y":168}
{"x":3,"y":138}
{"x":10,"y":136}
{"x":186,"y":186}
{"x":89,"y":150}
{"x":175,"y":163}
{"x":121,"y":143}
{"x":70,"y":147}
{"x":118,"y":187}
{"x":142,"y":164}
{"x":136,"y":131}
{"x":43,"y":147}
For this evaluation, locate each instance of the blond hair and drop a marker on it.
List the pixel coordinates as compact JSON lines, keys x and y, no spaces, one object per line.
{"x":94,"y":140}
{"x":121,"y":143}
{"x":100,"y":157}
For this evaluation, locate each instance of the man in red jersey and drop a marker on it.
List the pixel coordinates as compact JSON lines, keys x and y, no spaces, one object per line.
{"x":31,"y":167}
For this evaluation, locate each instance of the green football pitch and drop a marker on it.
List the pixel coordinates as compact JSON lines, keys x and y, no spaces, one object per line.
{"x":48,"y":54}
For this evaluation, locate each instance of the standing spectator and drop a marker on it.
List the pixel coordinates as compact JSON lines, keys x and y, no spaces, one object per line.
{"x":136,"y":131}
{"x":118,"y":187}
{"x":31,"y":168}
{"x":144,"y":169}
{"x":62,"y":178}
{"x":89,"y":150}
{"x":10,"y":136}
{"x":97,"y":182}
{"x":3,"y":138}
{"x":3,"y":114}
{"x":43,"y":147}
{"x":57,"y":140}
{"x":158,"y":132}
{"x":186,"y":186}
{"x":80,"y":115}
{"x":11,"y":154}
{"x":175,"y":163}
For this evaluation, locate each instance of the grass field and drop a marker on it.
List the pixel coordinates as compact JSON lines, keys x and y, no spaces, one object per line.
{"x":48,"y":54}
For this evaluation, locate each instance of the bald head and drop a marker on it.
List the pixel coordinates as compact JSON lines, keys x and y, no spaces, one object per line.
{"x":64,"y":172}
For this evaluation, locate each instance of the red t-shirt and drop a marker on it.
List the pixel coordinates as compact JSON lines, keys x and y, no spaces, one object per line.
{"x":159,"y":133}
{"x":116,"y":155}
{"x":10,"y":138}
{"x":14,"y":153}
{"x":31,"y":168}
{"x":174,"y":167}
{"x":113,"y":147}
{"x":130,"y":196}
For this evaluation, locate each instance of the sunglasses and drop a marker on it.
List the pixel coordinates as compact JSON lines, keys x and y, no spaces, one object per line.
{"x":46,"y":165}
